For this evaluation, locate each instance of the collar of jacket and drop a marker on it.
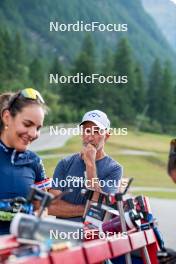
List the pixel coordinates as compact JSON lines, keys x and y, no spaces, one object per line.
{"x":17,"y":158}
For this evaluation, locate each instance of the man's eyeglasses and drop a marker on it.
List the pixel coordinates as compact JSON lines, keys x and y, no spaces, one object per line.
{"x":28,"y":93}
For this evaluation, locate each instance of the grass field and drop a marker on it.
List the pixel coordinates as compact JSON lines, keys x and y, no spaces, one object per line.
{"x":148,"y":170}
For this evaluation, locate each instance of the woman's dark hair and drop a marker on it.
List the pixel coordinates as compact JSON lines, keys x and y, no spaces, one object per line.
{"x":171,"y":164}
{"x":15,"y":104}
{"x":4,"y":101}
{"x":172,"y":157}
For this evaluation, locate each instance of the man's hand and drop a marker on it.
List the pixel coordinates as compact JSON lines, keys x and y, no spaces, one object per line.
{"x":88,"y":154}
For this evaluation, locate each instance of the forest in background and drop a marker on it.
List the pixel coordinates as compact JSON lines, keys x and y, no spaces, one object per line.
{"x":29,"y":53}
{"x":150,"y":101}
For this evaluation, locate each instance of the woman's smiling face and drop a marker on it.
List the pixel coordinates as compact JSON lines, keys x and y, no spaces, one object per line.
{"x":24,"y":128}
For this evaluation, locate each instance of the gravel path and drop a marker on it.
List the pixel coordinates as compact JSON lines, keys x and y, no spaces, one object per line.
{"x":153,"y":189}
{"x":165,"y":212}
{"x":47,"y":141}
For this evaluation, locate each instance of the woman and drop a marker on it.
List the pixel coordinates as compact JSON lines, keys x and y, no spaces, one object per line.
{"x":21,"y":117}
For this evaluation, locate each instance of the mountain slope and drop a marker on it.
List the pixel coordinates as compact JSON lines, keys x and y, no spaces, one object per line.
{"x":164,"y":13}
{"x":31,"y":19}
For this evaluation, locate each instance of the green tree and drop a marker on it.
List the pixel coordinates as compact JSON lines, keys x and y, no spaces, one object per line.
{"x":9,"y":55}
{"x":19,"y":55}
{"x":124,"y":92}
{"x":106,"y":91}
{"x":107,"y":62}
{"x":140,"y":90}
{"x":82,"y":96}
{"x":56,"y":68}
{"x":166,"y":99}
{"x":21,"y":69}
{"x":36,"y":73}
{"x":3,"y":65}
{"x":153,"y":95}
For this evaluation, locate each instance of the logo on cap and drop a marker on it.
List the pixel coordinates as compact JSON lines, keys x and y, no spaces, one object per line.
{"x":94,"y":114}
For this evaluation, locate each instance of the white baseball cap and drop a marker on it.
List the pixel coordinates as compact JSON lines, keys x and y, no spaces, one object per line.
{"x":97,"y":117}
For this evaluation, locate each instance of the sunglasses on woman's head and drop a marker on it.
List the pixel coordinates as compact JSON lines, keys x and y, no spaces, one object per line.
{"x":28,"y":93}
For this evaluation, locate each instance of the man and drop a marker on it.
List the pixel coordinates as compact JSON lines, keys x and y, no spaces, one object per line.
{"x":88,"y":168}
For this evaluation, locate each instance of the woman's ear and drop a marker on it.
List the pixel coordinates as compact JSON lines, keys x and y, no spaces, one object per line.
{"x":6,"y":117}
